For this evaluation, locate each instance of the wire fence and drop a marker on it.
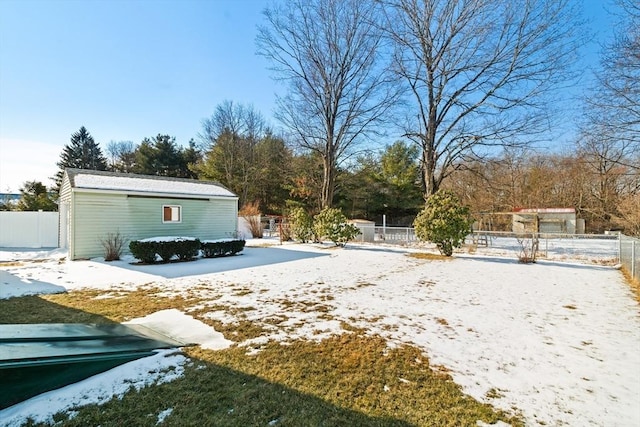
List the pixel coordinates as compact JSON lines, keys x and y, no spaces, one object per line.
{"x":629,"y":255}
{"x":602,"y":248}
{"x":599,"y":248}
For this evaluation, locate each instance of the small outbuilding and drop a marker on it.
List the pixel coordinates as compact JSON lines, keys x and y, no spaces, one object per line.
{"x":96,"y":204}
{"x":545,"y":220}
{"x":367,"y":229}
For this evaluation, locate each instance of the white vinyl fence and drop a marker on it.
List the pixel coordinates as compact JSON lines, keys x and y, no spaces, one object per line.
{"x":28,"y":229}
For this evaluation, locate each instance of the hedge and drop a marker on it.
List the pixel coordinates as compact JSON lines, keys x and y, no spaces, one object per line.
{"x":166,"y":248}
{"x":185,"y":248}
{"x":217,"y":248}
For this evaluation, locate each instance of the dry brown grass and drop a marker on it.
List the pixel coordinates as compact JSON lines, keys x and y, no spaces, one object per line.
{"x":11,"y":264}
{"x":633,"y":283}
{"x":429,"y":256}
{"x":351,"y":379}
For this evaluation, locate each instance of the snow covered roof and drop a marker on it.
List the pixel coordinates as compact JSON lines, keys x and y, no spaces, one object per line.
{"x":133,"y":183}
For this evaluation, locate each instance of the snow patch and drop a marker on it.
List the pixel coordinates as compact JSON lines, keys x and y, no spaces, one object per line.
{"x":184,"y":328}
{"x":161,"y":239}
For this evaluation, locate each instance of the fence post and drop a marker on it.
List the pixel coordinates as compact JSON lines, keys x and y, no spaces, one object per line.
{"x":546,"y":246}
{"x":620,"y":247}
{"x":384,"y":227}
{"x":633,"y":258}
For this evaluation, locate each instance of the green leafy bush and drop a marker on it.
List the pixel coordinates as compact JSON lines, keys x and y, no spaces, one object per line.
{"x":331,"y":224}
{"x":301,"y":225}
{"x":187,"y":249}
{"x":146,"y":250}
{"x":165,"y":250}
{"x":218,"y":248}
{"x":443,"y":221}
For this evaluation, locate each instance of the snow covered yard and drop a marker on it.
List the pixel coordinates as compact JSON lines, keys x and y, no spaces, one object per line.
{"x":557,"y":342}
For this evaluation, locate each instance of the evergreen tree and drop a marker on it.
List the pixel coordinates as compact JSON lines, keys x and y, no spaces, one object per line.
{"x":34,"y":196}
{"x":272,"y":173}
{"x":190,"y":157}
{"x":82,"y":153}
{"x":385,"y":183}
{"x":5,"y":203}
{"x":231,"y":135}
{"x":161,"y":156}
{"x":399,"y":178}
{"x":444,"y":221}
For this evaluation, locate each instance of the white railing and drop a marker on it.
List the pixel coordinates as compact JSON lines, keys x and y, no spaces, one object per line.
{"x":395,"y":235}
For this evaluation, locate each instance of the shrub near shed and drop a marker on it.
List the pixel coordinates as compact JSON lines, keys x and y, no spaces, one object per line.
{"x":185,"y":248}
{"x":331,"y":223}
{"x":218,"y":248}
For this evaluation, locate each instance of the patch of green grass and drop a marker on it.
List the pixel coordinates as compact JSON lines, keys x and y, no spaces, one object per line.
{"x":442,"y":321}
{"x":238,"y":331}
{"x":363,"y":374}
{"x":351,"y":328}
{"x":240,"y":292}
{"x":494,"y":393}
{"x":11,"y":264}
{"x":364,"y":285}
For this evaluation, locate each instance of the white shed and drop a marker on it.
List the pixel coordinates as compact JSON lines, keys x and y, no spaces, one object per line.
{"x":367,"y":229}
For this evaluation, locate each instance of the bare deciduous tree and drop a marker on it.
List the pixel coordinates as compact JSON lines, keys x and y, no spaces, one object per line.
{"x":121,"y":156}
{"x":230,"y":137}
{"x":328,"y":52}
{"x":479,"y":72}
{"x":609,"y":138}
{"x":612,"y":112}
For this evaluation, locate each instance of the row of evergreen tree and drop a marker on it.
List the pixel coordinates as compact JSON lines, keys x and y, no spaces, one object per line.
{"x":159,"y":155}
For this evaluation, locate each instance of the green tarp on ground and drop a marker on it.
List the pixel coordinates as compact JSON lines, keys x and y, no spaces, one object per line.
{"x":41,"y":357}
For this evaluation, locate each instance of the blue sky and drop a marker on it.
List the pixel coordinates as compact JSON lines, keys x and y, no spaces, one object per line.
{"x":130,"y":69}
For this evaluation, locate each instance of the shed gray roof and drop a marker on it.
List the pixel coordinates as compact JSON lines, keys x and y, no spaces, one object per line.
{"x":134,"y":183}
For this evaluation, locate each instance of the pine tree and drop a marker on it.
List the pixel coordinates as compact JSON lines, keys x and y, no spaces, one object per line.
{"x":34,"y":196}
{"x":82,"y":153}
{"x":163,"y":157}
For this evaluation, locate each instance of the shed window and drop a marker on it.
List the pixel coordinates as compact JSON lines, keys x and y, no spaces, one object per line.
{"x":171,"y":213}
